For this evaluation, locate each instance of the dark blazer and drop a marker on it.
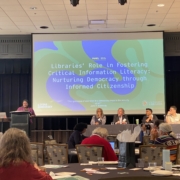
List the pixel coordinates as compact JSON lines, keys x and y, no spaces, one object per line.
{"x":116,"y":118}
{"x":75,"y":138}
{"x":153,"y":120}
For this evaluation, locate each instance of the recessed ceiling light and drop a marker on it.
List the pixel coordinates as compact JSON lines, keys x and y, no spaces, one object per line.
{"x":151,"y":25}
{"x":33,"y":8}
{"x":44,"y":27}
{"x":160,"y":5}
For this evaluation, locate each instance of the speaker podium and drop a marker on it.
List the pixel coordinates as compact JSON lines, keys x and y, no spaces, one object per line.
{"x":20,"y":120}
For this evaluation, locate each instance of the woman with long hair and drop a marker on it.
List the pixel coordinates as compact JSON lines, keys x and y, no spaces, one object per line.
{"x":99,"y":118}
{"x":15,"y":158}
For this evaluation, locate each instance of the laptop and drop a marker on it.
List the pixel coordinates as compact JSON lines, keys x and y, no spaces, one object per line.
{"x":112,"y":143}
{"x":3,"y":115}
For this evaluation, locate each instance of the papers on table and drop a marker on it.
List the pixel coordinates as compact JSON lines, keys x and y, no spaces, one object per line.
{"x":135,"y":169}
{"x":65,"y":173}
{"x":93,"y":171}
{"x":70,"y":178}
{"x":104,"y":162}
{"x":162,"y":173}
{"x":53,"y":166}
{"x":85,"y":164}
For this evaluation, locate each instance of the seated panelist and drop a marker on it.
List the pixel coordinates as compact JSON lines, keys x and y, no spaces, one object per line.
{"x":149,"y":117}
{"x":172,"y":117}
{"x":120,"y":117}
{"x":99,"y":118}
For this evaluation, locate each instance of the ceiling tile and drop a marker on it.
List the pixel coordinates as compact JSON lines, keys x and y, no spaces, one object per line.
{"x":140,"y":5}
{"x":56,"y":13}
{"x":153,"y":16}
{"x":78,"y":23}
{"x":138,"y":11}
{"x":27,"y":7}
{"x":30,"y":2}
{"x":39,"y":18}
{"x":115,"y":21}
{"x":96,"y":17}
{"x":116,"y":12}
{"x":97,"y":6}
{"x":9,"y":2}
{"x":174,"y":10}
{"x":36,"y":13}
{"x":26,"y":27}
{"x":52,"y":1}
{"x":77,"y":13}
{"x":133,"y":25}
{"x":24,"y":23}
{"x":16,"y":13}
{"x":132,"y":21}
{"x":58,"y":18}
{"x":171,"y":16}
{"x":117,"y":7}
{"x":10,"y":7}
{"x":118,"y":17}
{"x":59,"y":23}
{"x":16,"y":19}
{"x":96,"y":12}
{"x":78,"y":18}
{"x":136,"y":16}
{"x":62,"y":27}
{"x":54,"y":7}
{"x":158,"y":10}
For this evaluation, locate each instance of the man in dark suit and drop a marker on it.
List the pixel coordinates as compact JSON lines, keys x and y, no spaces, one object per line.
{"x":120,"y":117}
{"x":149,"y":117}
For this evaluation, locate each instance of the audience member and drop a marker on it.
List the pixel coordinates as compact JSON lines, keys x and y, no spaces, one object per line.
{"x":120,"y":117}
{"x":172,"y":116}
{"x":99,"y":118}
{"x":149,"y":117}
{"x":77,"y":136}
{"x":15,"y":158}
{"x":165,"y":136}
{"x":98,"y":137}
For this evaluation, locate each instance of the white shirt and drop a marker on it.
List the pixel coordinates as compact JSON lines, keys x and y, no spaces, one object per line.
{"x":174,"y":118}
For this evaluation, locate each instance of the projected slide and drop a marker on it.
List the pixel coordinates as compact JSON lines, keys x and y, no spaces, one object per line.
{"x":72,"y":77}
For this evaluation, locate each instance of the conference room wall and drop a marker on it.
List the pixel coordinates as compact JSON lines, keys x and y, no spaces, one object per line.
{"x":16,"y":85}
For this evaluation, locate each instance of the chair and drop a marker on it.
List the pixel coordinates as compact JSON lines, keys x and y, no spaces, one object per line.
{"x":34,"y":155}
{"x":88,"y":152}
{"x":146,"y":140}
{"x":152,"y":153}
{"x":57,"y":153}
{"x":52,"y":141}
{"x":40,"y":152}
{"x":178,"y":154}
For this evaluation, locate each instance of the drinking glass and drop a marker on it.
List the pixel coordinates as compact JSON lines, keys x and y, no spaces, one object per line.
{"x":140,"y":163}
{"x":100,"y":161}
{"x":152,"y":166}
{"x":168,"y":166}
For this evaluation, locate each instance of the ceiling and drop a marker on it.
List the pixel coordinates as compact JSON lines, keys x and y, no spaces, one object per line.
{"x":17,"y":17}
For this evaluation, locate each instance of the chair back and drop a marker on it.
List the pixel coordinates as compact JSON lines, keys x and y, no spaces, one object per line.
{"x":88,"y":152}
{"x":146,"y":140}
{"x":40,"y":152}
{"x":178,"y":154}
{"x":57,"y":153}
{"x":152,"y":153}
{"x":52,"y":141}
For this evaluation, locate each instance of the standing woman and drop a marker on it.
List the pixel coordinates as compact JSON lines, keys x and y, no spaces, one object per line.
{"x":99,"y":118}
{"x":25,"y":107}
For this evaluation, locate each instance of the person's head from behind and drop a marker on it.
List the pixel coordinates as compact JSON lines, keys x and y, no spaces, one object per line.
{"x":173,"y":110}
{"x":156,"y":124}
{"x":25,"y":103}
{"x":120,"y":112}
{"x":102,"y":132}
{"x":99,"y":112}
{"x":14,"y":147}
{"x":81,"y":127}
{"x":166,"y":129}
{"x":148,"y":111}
